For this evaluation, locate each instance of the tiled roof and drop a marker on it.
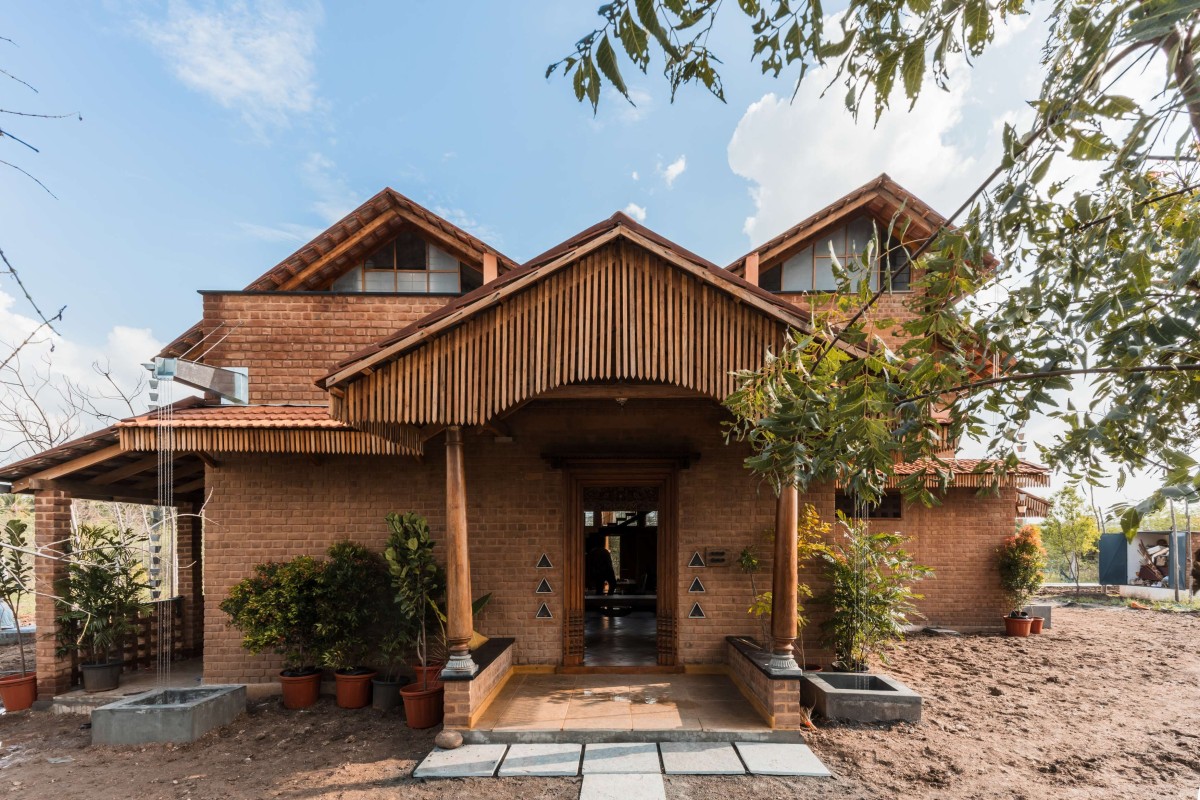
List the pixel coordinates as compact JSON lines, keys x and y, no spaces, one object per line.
{"x":264,"y":416}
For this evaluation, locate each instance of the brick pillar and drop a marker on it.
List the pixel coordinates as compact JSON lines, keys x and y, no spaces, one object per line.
{"x":52,"y":532}
{"x":188,"y":548}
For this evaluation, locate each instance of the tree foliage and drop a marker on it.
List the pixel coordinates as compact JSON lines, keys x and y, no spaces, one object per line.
{"x":101,"y":594}
{"x":1100,"y":278}
{"x":1070,"y":531}
{"x":1020,"y":560}
{"x":276,"y":609}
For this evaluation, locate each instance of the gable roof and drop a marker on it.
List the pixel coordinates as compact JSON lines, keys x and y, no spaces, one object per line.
{"x":352,"y":238}
{"x":618,"y":226}
{"x":882,"y":196}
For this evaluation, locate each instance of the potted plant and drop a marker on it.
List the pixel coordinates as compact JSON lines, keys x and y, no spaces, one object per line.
{"x":870,"y":594}
{"x":20,"y":690}
{"x":1021,"y":560}
{"x":391,"y":656}
{"x":99,"y":600}
{"x":419,"y":583}
{"x":352,"y":583}
{"x":275,"y":609}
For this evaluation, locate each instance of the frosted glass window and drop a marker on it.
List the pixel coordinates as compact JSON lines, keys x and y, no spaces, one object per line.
{"x":811,"y":269}
{"x":412,"y":282}
{"x":797,"y":272}
{"x":441,"y":261}
{"x":350,"y":282}
{"x":443,"y":282}
{"x":409,"y":265}
{"x":380,"y":281}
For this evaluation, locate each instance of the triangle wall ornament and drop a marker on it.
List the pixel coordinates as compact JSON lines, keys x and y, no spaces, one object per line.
{"x":697,"y":612}
{"x":543,"y":588}
{"x":696,"y":561}
{"x":697,"y":587}
{"x":543,"y":612}
{"x":544,"y":562}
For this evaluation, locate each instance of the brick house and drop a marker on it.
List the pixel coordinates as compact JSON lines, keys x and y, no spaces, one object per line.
{"x":534,"y":413}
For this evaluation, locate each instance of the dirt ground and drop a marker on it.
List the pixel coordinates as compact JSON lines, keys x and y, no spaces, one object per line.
{"x":1107,"y":705}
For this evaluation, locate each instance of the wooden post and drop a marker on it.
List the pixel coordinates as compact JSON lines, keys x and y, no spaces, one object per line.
{"x":752,"y":268}
{"x":490,"y":267}
{"x":783,"y":581}
{"x":459,"y":622}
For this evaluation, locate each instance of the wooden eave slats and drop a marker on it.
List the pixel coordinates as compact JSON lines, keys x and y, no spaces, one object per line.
{"x":401,"y":440}
{"x":623,"y":312}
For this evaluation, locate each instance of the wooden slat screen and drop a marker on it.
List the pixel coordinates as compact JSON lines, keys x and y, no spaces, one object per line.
{"x":619,"y":314}
{"x":401,"y":440}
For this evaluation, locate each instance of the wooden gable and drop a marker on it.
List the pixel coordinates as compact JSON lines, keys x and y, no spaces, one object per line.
{"x":621,"y":306}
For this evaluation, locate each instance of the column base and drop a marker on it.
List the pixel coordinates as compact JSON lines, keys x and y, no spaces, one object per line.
{"x":459,"y":665}
{"x":782,"y":663}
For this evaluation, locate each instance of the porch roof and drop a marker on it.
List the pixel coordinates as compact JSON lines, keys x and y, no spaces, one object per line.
{"x":120,"y":462}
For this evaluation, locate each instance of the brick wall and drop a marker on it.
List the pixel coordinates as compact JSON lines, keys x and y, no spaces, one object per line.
{"x":272,"y":507}
{"x":893,"y":306}
{"x":465,"y":699}
{"x":779,"y":699}
{"x":51,"y":535}
{"x":288,"y":340}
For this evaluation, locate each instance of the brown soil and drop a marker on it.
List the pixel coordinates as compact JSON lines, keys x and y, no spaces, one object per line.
{"x":1105,"y":705}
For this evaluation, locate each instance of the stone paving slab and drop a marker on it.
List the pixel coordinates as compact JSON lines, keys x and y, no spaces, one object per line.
{"x":623,"y":787}
{"x":621,"y":757}
{"x":764,"y":758}
{"x":468,"y":761}
{"x":700,"y":758}
{"x":542,"y":760}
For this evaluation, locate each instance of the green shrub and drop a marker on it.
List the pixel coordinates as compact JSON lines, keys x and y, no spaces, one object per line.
{"x":870,"y":596}
{"x":419,"y":583}
{"x":349,"y":607}
{"x":16,"y":576}
{"x":101,"y":595}
{"x":276,"y":609}
{"x":1021,"y":560}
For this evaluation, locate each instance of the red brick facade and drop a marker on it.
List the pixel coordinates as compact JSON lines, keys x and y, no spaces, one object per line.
{"x":275,"y":507}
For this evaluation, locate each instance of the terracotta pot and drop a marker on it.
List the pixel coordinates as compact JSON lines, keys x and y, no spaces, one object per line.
{"x":1017,"y":626}
{"x":1036,"y":623}
{"x":300,"y":691}
{"x":427,"y":677}
{"x":811,"y":668}
{"x":385,"y":695}
{"x":101,"y":677}
{"x":353,"y":690}
{"x":423,"y":708}
{"x":18,"y":691}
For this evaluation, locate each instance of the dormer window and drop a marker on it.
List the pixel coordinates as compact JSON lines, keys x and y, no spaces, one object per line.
{"x":811,"y":269}
{"x":410,"y":265}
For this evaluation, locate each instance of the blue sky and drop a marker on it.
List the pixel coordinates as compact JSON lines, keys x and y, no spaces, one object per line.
{"x":218,"y":137}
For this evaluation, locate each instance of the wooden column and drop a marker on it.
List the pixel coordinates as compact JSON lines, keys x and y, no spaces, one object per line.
{"x":783,"y":581}
{"x":459,"y":623}
{"x":52,"y":537}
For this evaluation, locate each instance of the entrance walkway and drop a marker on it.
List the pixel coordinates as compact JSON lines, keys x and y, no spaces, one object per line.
{"x":566,"y":703}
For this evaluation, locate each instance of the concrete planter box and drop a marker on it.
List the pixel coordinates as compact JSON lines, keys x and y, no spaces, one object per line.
{"x":860,"y":697}
{"x":167,"y":715}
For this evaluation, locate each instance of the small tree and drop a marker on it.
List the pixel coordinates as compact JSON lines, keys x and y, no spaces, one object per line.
{"x":352,"y":581}
{"x":15,"y":576}
{"x":870,"y":596}
{"x":1069,"y":531}
{"x":419,"y":582}
{"x":1021,"y":561}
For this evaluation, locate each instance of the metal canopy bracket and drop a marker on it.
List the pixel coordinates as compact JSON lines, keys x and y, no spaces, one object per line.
{"x":229,"y":385}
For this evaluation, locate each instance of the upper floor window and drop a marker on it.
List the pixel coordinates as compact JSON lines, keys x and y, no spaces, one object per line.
{"x":410,"y":265}
{"x":890,"y":507}
{"x":811,"y":269}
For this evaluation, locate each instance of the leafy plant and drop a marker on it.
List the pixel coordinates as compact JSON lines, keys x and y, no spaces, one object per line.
{"x":1069,"y":531}
{"x":870,"y":596}
{"x":275,"y":609}
{"x":102,"y":593}
{"x":810,"y":542}
{"x":15,"y":576}
{"x":419,"y":583}
{"x":1021,"y":560}
{"x":348,"y":604}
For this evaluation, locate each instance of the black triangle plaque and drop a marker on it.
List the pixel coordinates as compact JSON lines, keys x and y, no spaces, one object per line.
{"x":697,"y":612}
{"x":543,"y":588}
{"x":543,"y":612}
{"x":544,"y":562}
{"x":697,"y":560}
{"x":696,"y":587}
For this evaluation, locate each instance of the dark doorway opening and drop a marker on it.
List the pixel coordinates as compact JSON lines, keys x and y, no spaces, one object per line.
{"x":621,"y":575}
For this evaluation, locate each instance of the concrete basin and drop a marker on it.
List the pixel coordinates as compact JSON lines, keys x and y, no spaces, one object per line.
{"x":168,"y":715}
{"x":859,"y":697}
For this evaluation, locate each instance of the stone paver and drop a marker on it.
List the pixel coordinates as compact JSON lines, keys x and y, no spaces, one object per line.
{"x":468,"y":761}
{"x":623,"y":787}
{"x":700,"y":758}
{"x":620,"y":757}
{"x":542,"y":760}
{"x":764,"y":758}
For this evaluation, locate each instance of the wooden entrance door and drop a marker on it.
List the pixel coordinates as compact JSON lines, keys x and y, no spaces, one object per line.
{"x":660,"y":475}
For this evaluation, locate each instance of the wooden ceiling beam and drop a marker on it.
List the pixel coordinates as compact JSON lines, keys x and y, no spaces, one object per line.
{"x":74,"y":465}
{"x":87,"y":491}
{"x":127,"y":471}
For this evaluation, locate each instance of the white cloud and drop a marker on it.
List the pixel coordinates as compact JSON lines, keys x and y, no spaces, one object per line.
{"x":49,"y":360}
{"x":673,"y":170}
{"x":283,"y":232}
{"x":636,"y":211}
{"x":334,"y":197}
{"x":635,"y":175}
{"x":252,"y":57}
{"x":643,"y":104}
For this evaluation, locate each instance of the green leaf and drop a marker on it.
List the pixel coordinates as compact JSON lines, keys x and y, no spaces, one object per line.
{"x":914,"y":67}
{"x":606,"y":58}
{"x":634,"y":39}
